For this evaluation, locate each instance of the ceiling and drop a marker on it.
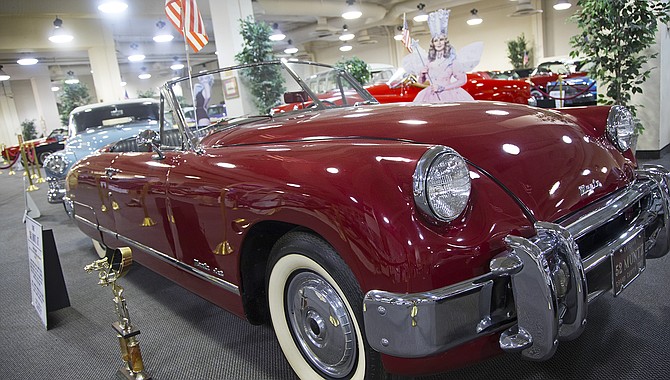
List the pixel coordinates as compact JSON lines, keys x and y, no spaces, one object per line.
{"x":310,"y":24}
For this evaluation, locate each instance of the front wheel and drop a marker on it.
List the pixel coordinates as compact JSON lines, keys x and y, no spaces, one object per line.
{"x":316,"y":310}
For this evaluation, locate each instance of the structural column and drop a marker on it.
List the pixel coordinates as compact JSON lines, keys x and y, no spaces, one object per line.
{"x":105,"y":68}
{"x":226,"y":16}
{"x":9,"y":118}
{"x":45,"y":103}
{"x":654,"y":112}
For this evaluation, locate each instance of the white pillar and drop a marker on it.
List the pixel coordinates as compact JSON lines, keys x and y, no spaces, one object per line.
{"x":226,"y":16}
{"x":105,"y":68}
{"x":45,"y":104}
{"x":9,"y":118}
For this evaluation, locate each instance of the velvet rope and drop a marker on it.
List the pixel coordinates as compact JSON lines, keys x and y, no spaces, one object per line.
{"x":569,"y":97}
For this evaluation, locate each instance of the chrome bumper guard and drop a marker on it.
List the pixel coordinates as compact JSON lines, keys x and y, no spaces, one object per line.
{"x":549,"y":281}
{"x":56,"y":190}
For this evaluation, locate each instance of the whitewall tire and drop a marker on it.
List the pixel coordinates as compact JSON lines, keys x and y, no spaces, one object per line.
{"x":316,"y":310}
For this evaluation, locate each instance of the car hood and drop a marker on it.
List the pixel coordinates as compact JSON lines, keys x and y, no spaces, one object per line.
{"x":548,"y":161}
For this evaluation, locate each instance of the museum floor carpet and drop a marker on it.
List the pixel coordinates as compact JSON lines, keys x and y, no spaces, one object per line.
{"x":185,"y":337}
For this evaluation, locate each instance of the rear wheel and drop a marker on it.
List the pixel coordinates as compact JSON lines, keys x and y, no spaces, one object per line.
{"x":43,"y":156}
{"x":316,"y":310}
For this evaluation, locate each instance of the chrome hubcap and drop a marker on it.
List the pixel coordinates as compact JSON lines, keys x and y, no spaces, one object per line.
{"x":321,"y":325}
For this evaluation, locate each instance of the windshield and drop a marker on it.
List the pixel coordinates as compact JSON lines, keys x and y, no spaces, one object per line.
{"x":99,"y":116}
{"x":225,"y":98}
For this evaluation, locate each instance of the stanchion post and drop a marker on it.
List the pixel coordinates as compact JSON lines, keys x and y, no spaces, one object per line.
{"x":36,"y":162}
{"x":24,"y":159}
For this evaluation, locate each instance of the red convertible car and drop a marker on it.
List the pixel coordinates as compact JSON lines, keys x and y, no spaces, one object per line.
{"x":383,"y":238}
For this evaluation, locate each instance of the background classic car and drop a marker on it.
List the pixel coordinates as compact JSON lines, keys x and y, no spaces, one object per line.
{"x":93,"y":126}
{"x":44,"y":146}
{"x":405,"y":238}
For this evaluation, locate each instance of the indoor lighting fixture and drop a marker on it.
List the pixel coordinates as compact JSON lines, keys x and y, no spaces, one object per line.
{"x":346,"y":47}
{"x":123,"y":83}
{"x":55,"y":88}
{"x":277,"y":35}
{"x":562,"y":5}
{"x":27,"y":61}
{"x":135,"y":56}
{"x":3,"y":74}
{"x":162,"y":35}
{"x":144,"y":74}
{"x":398,"y":35}
{"x":422,"y":16}
{"x":176,"y":65}
{"x":290,"y":49}
{"x":474,"y":17}
{"x":58,"y":34}
{"x":346,"y":35}
{"x":71,"y":79}
{"x":112,"y":6}
{"x":352,"y":11}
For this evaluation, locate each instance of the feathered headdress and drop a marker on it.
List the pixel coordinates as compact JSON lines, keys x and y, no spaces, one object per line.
{"x":438,"y":22}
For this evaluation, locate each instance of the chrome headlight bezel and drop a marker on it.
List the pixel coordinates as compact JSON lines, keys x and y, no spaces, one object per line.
{"x":56,"y":165}
{"x":620,"y":128}
{"x":442,"y":184}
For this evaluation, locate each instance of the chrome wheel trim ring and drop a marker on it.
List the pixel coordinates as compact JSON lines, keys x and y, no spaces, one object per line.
{"x":320,"y":324}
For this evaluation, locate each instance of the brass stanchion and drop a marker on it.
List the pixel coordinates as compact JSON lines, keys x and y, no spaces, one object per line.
{"x":110,"y":270}
{"x":24,"y":160}
{"x":7,"y":159}
{"x":36,"y":161}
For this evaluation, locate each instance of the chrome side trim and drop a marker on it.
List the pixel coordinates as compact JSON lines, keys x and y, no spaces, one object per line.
{"x":165,"y":258}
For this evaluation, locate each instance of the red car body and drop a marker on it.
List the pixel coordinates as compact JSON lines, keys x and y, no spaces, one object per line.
{"x":210,"y":217}
{"x":43,"y":146}
{"x":480,"y":88}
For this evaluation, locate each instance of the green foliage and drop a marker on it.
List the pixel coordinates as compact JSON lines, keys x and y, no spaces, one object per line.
{"x":615,"y":35}
{"x":265,"y":82}
{"x":356,"y":67}
{"x":28,"y":130}
{"x":73,"y":96}
{"x":150,"y":93}
{"x":516,"y":49}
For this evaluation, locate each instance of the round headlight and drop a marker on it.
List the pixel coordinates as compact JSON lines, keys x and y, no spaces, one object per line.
{"x":55,"y":165}
{"x":441,"y":183}
{"x":620,"y":127}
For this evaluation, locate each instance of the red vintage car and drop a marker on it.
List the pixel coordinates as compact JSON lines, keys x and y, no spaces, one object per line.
{"x":44,"y":146}
{"x":399,"y":238}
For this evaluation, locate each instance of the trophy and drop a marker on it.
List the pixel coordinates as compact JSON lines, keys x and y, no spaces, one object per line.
{"x":109,"y":270}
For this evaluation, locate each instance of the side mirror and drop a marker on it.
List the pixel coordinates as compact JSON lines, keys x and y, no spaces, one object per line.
{"x":150,"y":138}
{"x":296,"y":97}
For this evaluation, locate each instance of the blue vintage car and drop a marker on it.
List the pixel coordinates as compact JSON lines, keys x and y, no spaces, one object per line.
{"x":577,"y":91}
{"x":92,"y":127}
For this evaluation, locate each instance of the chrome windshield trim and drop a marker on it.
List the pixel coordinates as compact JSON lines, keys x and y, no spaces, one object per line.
{"x":165,"y":258}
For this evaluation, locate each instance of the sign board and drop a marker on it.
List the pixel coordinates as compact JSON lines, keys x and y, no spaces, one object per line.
{"x":36,"y":262}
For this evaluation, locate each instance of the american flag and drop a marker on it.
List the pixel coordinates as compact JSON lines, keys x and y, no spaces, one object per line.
{"x":525,"y":57}
{"x":185,"y":16}
{"x":406,"y":39}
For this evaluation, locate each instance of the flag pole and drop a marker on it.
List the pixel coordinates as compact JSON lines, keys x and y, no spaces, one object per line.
{"x":188,"y":63}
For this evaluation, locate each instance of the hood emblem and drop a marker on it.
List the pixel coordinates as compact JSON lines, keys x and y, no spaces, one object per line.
{"x":589,"y":188}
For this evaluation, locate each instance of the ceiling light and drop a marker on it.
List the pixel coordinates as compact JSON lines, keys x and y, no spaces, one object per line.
{"x":346,"y":35}
{"x":290,"y":49}
{"x":398,"y":35}
{"x":276,"y":35}
{"x":346,"y":47}
{"x":474,"y":17}
{"x":58,"y":34}
{"x":71,"y":79}
{"x":144,"y":74}
{"x":352,"y":11}
{"x":112,"y":6}
{"x":27,"y":61}
{"x":162,"y":35}
{"x":422,"y":16}
{"x":136,"y":57}
{"x":562,"y":5}
{"x":177,"y":66}
{"x":123,"y":83}
{"x":3,"y":74}
{"x":55,"y":88}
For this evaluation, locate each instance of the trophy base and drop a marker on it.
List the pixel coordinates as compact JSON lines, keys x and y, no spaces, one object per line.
{"x":126,"y":374}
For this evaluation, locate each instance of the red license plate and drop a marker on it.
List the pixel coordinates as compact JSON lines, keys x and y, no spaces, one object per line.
{"x":628,"y":262}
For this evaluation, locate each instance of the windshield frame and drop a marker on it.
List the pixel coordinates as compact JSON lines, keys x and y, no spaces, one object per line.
{"x":167,"y":94}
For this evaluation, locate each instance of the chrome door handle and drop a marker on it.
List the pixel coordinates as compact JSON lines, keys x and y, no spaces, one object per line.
{"x":109,"y":172}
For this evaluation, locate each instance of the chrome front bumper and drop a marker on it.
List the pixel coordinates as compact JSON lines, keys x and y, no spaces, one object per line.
{"x":545,"y":281}
{"x":56,"y":190}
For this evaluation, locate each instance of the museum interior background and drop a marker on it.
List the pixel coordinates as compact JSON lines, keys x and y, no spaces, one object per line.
{"x":98,"y":53}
